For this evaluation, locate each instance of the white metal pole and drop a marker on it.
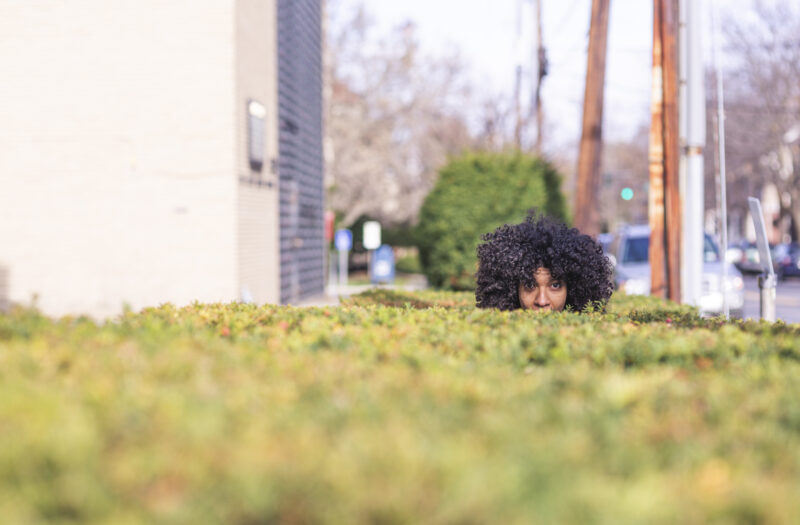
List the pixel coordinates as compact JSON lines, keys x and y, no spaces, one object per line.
{"x":695,"y":128}
{"x":767,"y":281}
{"x":723,"y":205}
{"x":332,"y":282}
{"x":342,"y":269}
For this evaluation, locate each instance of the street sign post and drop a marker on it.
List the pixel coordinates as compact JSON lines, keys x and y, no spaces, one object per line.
{"x":343,"y":240}
{"x":372,"y":235}
{"x":767,"y":281}
{"x":371,"y":240}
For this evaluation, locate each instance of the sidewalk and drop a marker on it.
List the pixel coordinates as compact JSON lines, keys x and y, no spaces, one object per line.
{"x":409,"y":283}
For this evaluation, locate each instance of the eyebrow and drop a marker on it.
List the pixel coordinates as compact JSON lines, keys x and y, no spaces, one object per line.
{"x":551,"y":281}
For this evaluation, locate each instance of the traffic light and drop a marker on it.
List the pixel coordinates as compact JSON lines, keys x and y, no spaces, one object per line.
{"x":626,"y":194}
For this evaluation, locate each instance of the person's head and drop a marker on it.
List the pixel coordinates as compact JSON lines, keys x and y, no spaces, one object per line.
{"x":541,"y":264}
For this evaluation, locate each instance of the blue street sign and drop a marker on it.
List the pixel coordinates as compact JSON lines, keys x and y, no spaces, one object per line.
{"x":343,"y":240}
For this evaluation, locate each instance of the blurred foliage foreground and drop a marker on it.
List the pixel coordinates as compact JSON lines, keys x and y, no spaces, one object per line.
{"x":399,"y":409}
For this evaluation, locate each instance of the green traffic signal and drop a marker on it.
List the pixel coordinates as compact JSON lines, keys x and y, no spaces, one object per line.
{"x":626,"y":194}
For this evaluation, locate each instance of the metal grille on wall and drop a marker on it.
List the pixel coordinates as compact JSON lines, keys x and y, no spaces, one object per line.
{"x":300,"y":148}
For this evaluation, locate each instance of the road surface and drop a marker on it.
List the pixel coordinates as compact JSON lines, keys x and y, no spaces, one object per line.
{"x":787,"y":303}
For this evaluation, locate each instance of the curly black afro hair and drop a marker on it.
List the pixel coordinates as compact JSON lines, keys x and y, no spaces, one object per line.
{"x":512,"y":253}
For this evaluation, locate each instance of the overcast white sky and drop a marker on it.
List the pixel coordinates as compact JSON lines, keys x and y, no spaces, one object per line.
{"x":484,"y":32}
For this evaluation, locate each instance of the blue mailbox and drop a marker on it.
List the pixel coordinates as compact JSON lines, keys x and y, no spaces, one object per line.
{"x":382,"y":270}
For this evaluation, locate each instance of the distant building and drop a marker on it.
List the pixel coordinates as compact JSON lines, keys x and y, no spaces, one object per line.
{"x":159,"y":151}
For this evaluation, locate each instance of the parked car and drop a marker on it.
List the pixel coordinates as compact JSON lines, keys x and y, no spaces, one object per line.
{"x":605,"y":240}
{"x":745,"y":255}
{"x":632,"y":272}
{"x":786,"y":260}
{"x":749,"y":260}
{"x":734,"y":254}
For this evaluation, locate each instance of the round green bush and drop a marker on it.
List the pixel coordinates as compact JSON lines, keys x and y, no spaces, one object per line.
{"x":475,"y":194}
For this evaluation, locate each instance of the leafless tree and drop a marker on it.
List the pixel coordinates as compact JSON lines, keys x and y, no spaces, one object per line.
{"x":393,"y":116}
{"x":762,"y":104}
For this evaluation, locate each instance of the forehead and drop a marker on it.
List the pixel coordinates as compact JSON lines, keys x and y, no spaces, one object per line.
{"x":542,"y":274}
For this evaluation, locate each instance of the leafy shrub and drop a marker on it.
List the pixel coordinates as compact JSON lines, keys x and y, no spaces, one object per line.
{"x":408,"y":264}
{"x":399,"y":235}
{"x":399,"y":407}
{"x":475,"y":194}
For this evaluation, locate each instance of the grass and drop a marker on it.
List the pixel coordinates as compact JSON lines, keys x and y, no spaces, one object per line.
{"x":399,"y":408}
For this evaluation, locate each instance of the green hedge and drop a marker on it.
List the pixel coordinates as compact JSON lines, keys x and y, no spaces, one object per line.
{"x":399,"y":408}
{"x":473,"y":195}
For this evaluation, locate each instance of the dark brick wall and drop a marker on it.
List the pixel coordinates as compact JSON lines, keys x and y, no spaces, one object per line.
{"x":300,"y":148}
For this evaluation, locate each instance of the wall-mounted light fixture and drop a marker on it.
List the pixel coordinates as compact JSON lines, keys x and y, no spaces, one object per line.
{"x":256,"y":134}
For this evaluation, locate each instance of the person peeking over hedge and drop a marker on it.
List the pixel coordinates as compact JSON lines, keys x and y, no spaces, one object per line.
{"x":541,"y":264}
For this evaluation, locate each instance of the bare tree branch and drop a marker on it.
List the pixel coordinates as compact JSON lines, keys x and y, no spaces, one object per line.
{"x":392,"y":118}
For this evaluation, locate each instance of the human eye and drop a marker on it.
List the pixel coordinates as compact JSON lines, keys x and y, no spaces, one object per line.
{"x":556,"y":285}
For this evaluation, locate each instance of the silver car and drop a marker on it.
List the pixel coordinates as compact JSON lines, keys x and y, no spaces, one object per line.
{"x":632,"y":270}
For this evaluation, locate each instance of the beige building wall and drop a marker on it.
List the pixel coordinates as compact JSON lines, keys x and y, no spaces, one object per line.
{"x":118,"y":153}
{"x":258,"y":216}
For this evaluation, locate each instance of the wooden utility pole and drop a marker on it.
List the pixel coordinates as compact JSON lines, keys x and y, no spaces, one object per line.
{"x":541,"y":71}
{"x":672,"y":149}
{"x":591,"y":146}
{"x":518,"y":79}
{"x":518,"y":108}
{"x":655,"y":206}
{"x":664,"y":201}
